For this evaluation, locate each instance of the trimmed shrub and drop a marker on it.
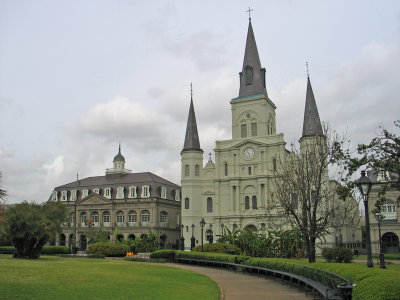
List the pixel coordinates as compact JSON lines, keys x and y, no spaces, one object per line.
{"x":45,"y":250}
{"x":338,"y":254}
{"x":108,"y":249}
{"x":164,"y":254}
{"x":55,"y":250}
{"x":219,"y":248}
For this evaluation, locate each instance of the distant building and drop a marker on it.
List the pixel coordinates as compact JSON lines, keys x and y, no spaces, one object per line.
{"x":390,"y":224}
{"x":132,"y":203}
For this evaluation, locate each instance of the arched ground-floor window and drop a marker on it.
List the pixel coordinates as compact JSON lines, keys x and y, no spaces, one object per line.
{"x":62,"y":239}
{"x":120,"y":237}
{"x":390,"y":243}
{"x":83,"y":242}
{"x":131,"y":236}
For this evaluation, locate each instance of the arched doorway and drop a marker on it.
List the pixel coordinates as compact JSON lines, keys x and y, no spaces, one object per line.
{"x":390,"y":243}
{"x":209,"y":236}
{"x":62,"y":239}
{"x":120,"y":237}
{"x":251,"y":228}
{"x":71,"y":240}
{"x":83,"y":242}
{"x":163,"y":239}
{"x":131,"y":236}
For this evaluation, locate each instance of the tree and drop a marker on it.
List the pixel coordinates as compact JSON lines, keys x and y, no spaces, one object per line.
{"x":306,"y":197}
{"x":383,"y":155}
{"x":3,"y":194}
{"x":30,"y":226}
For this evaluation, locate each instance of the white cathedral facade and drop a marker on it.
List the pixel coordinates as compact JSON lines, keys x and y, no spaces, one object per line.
{"x":233,"y":192}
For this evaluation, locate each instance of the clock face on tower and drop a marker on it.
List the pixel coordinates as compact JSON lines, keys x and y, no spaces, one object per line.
{"x":248,"y":153}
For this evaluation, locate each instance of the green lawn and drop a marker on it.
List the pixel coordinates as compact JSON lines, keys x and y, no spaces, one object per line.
{"x":52,"y":277}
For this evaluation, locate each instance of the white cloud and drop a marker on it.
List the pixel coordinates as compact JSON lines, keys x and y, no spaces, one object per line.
{"x":54,"y":169}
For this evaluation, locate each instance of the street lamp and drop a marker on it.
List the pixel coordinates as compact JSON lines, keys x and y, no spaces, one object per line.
{"x":202,"y":223}
{"x":379,"y":217}
{"x":364,"y":185}
{"x":192,"y":240}
{"x":182,"y":238}
{"x":222,"y":228}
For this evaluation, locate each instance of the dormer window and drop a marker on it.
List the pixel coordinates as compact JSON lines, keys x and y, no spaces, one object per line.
{"x":249,"y":75}
{"x":389,"y":210}
{"x":120,"y":192}
{"x":145,"y":191}
{"x":54,"y":196}
{"x":163,"y":192}
{"x":96,"y":191}
{"x":85,"y":193}
{"x":107,"y":193}
{"x":132,"y":192}
{"x":177,"y":195}
{"x":74,"y":195}
{"x":64,"y":196}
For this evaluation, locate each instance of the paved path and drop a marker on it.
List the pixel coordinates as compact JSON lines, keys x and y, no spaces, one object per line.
{"x":235,"y":285}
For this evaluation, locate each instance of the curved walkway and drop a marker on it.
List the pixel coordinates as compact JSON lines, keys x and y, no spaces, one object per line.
{"x":235,"y":285}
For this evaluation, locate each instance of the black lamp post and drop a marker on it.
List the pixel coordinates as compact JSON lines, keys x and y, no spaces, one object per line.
{"x":364,"y":185}
{"x":202,"y":223}
{"x":379,"y":217}
{"x":192,"y":240}
{"x":222,"y":228}
{"x":182,"y":238}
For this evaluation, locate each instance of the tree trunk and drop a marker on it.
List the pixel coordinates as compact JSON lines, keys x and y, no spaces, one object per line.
{"x":311,"y":257}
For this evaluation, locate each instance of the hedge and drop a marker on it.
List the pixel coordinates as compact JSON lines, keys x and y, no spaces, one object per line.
{"x":219,"y":248}
{"x":371,"y":283}
{"x":46,"y":250}
{"x":108,"y":249}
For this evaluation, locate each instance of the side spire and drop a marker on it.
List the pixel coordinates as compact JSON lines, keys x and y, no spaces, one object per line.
{"x":192,"y":137}
{"x":312,"y":124}
{"x":252,"y":77}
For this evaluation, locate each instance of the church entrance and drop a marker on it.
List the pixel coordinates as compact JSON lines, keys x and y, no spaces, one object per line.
{"x":62,"y":239}
{"x":390,"y":242}
{"x":83,"y":242}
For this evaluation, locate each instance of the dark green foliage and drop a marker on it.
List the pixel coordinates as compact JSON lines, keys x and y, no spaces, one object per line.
{"x":386,"y":287}
{"x":338,"y":254}
{"x":112,"y":249}
{"x":283,"y":243}
{"x":148,"y":243}
{"x":45,"y":250}
{"x":219,"y":248}
{"x":7,"y":249}
{"x":162,"y":254}
{"x":97,"y":236}
{"x":141,"y":259}
{"x":30,"y":226}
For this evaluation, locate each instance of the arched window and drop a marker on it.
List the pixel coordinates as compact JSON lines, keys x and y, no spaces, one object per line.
{"x":226,"y":169}
{"x":186,"y":203}
{"x":249,"y":75}
{"x":131,"y":236}
{"x":246,"y":202}
{"x":186,"y":170}
{"x":253,"y":129}
{"x":94,"y":217}
{"x":243,"y":130}
{"x":209,"y":205}
{"x":254,"y":202}
{"x":251,"y":228}
{"x":145,"y":217}
{"x":83,"y":217}
{"x":120,"y":216}
{"x":132,"y":217}
{"x":106,"y":218}
{"x":274,"y":164}
{"x":132,"y":192}
{"x":389,"y":210}
{"x":163,"y":219}
{"x":196,"y":170}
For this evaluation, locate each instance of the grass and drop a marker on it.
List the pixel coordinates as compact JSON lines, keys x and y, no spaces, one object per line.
{"x":58,"y":278}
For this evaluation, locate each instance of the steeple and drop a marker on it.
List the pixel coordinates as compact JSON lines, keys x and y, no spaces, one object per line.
{"x":252,"y":77}
{"x":312,"y":124}
{"x":192,"y":137}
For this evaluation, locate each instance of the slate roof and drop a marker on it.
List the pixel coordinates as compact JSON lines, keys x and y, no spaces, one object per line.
{"x":192,"y":136}
{"x":311,"y":124}
{"x":252,"y":59}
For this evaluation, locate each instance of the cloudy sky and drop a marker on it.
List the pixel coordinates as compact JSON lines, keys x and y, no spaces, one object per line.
{"x":78,"y":77}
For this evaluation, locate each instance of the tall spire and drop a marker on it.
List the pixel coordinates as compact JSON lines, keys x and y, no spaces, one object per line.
{"x":252,"y":77}
{"x":192,"y":137}
{"x":312,"y":124}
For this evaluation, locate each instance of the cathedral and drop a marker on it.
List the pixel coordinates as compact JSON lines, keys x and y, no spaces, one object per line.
{"x":233,"y":191}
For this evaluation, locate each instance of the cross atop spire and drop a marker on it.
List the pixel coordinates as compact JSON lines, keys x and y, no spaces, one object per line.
{"x":249,"y":11}
{"x":308,"y":72}
{"x":191,"y":91}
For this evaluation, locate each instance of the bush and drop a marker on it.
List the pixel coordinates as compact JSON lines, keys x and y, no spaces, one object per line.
{"x":108,"y":249}
{"x":164,"y":254}
{"x":219,"y":248}
{"x":148,"y":243}
{"x":45,"y":250}
{"x":55,"y":250}
{"x":338,"y":254}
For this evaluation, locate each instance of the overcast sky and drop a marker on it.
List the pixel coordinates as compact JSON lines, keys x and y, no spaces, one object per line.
{"x":78,"y":77}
